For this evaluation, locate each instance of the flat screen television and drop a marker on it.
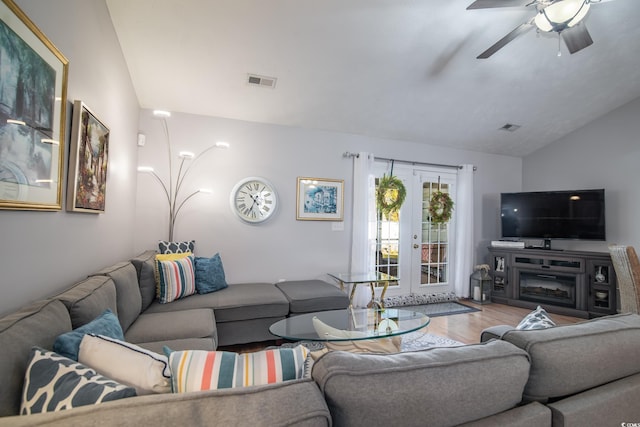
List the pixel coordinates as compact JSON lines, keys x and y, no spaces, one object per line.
{"x":553,"y":215}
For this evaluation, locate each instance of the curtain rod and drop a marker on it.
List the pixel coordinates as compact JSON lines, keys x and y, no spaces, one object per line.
{"x":410,"y":162}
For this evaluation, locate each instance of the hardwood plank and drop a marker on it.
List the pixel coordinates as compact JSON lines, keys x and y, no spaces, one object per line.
{"x":465,"y":327}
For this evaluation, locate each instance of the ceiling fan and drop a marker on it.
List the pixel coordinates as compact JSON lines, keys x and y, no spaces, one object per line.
{"x":564,"y":17}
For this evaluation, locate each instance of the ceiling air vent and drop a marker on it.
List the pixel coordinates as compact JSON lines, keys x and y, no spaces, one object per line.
{"x":510,"y":127}
{"x":263,"y":81}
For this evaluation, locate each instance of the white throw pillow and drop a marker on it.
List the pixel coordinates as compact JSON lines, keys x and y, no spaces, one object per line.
{"x":126,"y":363}
{"x":537,"y":319}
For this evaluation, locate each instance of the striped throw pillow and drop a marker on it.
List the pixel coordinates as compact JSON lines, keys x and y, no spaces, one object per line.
{"x":196,"y":370}
{"x":175,"y":277}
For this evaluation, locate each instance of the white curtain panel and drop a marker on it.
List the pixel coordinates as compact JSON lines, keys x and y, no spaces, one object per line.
{"x":363,"y":213}
{"x":464,"y":249}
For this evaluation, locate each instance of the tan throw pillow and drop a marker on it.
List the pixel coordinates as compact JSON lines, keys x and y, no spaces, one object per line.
{"x":373,"y":345}
{"x":325,"y":331}
{"x":378,"y":345}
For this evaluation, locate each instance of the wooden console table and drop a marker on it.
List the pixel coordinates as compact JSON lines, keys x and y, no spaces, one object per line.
{"x":573,"y":283}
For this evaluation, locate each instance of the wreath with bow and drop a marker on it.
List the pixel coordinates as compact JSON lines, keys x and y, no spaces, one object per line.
{"x":390,"y":194}
{"x":440,"y":207}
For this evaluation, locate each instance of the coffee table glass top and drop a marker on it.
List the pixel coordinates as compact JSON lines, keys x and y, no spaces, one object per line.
{"x":350,"y":324}
{"x":370,"y":277}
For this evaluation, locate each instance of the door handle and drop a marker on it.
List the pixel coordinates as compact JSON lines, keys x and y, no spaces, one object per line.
{"x":416,"y":246}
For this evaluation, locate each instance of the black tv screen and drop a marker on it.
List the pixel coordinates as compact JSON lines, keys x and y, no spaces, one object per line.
{"x":553,"y":215}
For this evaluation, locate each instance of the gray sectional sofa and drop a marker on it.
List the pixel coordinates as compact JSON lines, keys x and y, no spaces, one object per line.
{"x":586,"y":374}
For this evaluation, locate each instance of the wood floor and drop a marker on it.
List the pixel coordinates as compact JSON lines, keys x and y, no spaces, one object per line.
{"x":465,"y":328}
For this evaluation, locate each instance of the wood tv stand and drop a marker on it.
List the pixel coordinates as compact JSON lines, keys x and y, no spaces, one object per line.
{"x":572,"y":283}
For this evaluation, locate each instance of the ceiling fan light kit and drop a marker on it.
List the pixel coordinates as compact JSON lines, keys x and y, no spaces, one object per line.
{"x":559,"y":16}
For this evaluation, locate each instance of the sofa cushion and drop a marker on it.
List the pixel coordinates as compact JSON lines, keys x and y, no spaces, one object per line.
{"x":148,"y":372}
{"x":573,"y":358}
{"x":167,"y":247}
{"x":128,"y":298}
{"x":246,"y":331}
{"x":68,"y":344}
{"x":533,"y":414}
{"x":175,"y":276}
{"x":611,"y":404}
{"x":37,"y":324}
{"x":209,"y":274}
{"x":195,"y":370}
{"x":145,"y":265}
{"x":54,"y":383}
{"x":438,"y":386}
{"x":89,"y":298}
{"x":207,"y":344}
{"x":149,"y":327}
{"x":307,"y":296}
{"x":254,"y":406}
{"x":240,"y":301}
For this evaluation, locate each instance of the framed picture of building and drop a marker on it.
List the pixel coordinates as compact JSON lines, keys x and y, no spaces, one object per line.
{"x":320,"y":199}
{"x":88,"y":161}
{"x":33,"y":91}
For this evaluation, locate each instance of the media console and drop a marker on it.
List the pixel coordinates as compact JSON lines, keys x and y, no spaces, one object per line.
{"x":573,"y":283}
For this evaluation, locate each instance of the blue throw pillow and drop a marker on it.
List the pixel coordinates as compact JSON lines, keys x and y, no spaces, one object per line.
{"x":68,"y":344}
{"x":209,"y":274}
{"x":54,"y":383}
{"x":165,"y":247}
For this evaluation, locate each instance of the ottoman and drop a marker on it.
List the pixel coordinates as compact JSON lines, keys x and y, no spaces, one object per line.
{"x":307,"y":296}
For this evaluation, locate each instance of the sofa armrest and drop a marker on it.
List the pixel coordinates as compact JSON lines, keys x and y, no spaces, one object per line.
{"x":291,"y":403}
{"x":495,"y":332}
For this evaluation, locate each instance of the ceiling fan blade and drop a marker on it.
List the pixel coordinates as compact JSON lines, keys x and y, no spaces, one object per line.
{"x":523,"y":28}
{"x":488,"y":4}
{"x":577,"y":38}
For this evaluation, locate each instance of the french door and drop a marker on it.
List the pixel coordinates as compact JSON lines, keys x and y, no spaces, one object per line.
{"x":408,"y":244}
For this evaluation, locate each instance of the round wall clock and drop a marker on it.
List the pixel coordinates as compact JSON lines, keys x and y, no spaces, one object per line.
{"x":254,"y":200}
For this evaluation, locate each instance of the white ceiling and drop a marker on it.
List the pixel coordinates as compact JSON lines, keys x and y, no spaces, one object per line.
{"x":399,"y":69}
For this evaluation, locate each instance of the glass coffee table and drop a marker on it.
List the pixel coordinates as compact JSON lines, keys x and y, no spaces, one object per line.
{"x":350,"y":324}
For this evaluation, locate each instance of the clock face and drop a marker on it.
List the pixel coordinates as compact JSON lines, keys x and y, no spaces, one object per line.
{"x":254,"y":200}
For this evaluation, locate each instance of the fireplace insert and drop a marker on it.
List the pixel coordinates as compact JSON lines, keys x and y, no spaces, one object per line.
{"x":553,"y":289}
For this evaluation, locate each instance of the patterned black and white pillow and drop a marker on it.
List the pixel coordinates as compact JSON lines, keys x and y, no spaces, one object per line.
{"x":537,"y":319}
{"x":165,"y":247}
{"x":54,"y":383}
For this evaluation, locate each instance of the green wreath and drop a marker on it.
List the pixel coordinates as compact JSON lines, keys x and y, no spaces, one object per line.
{"x":440,"y":207}
{"x":390,"y":194}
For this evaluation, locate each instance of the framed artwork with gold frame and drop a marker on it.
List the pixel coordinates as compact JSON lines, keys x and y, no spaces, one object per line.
{"x":32,"y":114}
{"x":88,"y":160}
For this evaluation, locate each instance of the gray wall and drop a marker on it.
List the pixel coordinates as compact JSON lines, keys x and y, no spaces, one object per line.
{"x":43,"y":252}
{"x":603,"y":154}
{"x":283,"y":248}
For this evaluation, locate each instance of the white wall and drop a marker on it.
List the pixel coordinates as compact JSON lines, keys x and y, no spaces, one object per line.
{"x":283,"y":248}
{"x":603,"y":154}
{"x":42,"y":253}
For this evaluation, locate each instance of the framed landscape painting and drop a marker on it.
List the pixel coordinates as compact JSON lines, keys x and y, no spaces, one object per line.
{"x":33,"y":86}
{"x":88,"y":159}
{"x":320,"y":199}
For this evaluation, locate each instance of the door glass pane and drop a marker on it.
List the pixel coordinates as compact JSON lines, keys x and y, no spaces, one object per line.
{"x":387,"y":243}
{"x":434,"y":262}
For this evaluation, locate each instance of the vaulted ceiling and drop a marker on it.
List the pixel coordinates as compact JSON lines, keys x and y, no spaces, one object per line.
{"x":398,"y":69}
